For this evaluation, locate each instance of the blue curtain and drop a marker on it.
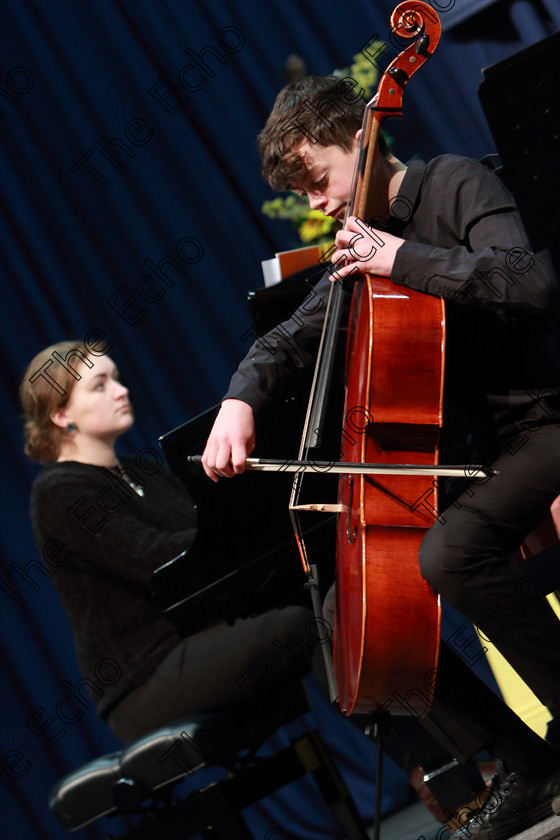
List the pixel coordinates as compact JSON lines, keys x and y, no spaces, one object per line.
{"x":131,"y":210}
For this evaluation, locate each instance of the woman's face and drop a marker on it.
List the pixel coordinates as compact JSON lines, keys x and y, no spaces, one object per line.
{"x":98,"y":403}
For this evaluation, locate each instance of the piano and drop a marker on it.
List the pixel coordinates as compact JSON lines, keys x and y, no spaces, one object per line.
{"x":244,"y":560}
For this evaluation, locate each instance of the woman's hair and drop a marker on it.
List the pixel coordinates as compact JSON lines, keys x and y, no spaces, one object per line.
{"x":320,"y":107}
{"x":45,"y":388}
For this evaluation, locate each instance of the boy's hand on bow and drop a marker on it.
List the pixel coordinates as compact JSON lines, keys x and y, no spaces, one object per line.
{"x":231,"y":440}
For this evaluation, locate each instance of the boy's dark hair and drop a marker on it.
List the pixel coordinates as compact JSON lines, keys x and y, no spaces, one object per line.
{"x":321,"y":109}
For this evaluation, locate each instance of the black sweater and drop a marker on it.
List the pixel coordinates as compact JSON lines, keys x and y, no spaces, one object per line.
{"x":102,"y":542}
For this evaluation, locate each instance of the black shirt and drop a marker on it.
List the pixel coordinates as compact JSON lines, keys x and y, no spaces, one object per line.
{"x":466,"y":243}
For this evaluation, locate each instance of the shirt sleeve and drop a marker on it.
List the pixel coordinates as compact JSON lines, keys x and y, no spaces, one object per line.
{"x":287,"y":350}
{"x":482,"y":256}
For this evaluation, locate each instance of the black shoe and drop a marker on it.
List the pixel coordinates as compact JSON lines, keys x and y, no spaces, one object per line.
{"x":513,"y":805}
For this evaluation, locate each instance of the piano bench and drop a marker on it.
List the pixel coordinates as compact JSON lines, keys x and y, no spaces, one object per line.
{"x":140,"y":779}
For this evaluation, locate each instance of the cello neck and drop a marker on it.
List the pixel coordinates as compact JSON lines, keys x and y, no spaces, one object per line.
{"x":320,"y":387}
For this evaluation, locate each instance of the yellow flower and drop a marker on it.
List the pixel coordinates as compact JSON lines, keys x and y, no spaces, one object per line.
{"x":363,"y":71}
{"x":314,"y":226}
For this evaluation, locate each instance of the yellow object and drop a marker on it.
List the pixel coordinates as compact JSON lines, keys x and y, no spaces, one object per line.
{"x":516,"y":693}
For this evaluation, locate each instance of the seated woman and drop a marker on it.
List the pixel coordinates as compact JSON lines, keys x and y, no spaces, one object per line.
{"x":114,"y":525}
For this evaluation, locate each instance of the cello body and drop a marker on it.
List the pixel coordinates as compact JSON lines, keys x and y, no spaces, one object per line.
{"x":387,"y":617}
{"x":387,"y":620}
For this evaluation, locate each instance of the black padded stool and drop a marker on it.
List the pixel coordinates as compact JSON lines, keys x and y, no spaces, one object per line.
{"x":140,"y":779}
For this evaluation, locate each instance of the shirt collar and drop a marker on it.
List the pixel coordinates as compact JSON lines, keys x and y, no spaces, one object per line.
{"x":404,"y":205}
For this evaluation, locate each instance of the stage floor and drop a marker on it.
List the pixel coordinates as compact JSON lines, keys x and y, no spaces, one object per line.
{"x":413,"y":822}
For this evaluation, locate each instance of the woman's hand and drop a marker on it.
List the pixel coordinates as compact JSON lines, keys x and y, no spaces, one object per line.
{"x":231,"y":440}
{"x":363,"y":248}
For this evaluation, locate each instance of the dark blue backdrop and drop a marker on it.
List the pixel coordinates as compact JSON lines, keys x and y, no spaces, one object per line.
{"x":118,"y":180}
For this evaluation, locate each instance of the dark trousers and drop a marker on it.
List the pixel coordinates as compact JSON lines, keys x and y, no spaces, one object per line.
{"x":467,"y":717}
{"x":233,"y":667}
{"x":466,"y":557}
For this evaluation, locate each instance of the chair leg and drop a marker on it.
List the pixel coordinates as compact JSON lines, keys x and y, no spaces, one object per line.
{"x":314,"y":754}
{"x":207,"y":812}
{"x":226,"y":822}
{"x":215,"y":811}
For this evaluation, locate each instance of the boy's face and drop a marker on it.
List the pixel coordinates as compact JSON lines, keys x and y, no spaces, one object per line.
{"x":328,"y":179}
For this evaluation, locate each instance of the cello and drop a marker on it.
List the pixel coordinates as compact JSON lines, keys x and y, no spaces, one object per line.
{"x":387,"y":623}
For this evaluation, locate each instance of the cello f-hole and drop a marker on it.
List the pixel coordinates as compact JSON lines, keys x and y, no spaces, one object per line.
{"x":351,"y":537}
